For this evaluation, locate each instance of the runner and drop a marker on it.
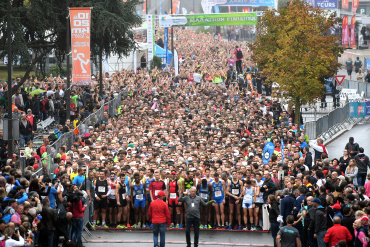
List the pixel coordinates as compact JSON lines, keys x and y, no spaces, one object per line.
{"x":205,"y":192}
{"x":218,"y":188}
{"x":173,"y":193}
{"x":234,"y":191}
{"x":138,"y":194}
{"x":121,"y":195}
{"x":102,"y":190}
{"x":249,"y":198}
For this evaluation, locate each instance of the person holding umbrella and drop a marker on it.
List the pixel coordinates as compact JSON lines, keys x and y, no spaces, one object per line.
{"x":192,"y":203}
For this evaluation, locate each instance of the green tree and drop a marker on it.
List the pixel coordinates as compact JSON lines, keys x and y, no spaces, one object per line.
{"x":39,"y":27}
{"x":295,"y":49}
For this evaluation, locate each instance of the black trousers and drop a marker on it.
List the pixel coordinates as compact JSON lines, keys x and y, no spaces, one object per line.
{"x":239,"y":66}
{"x":195,"y":222}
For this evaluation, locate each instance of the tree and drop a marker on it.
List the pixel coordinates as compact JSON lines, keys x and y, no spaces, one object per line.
{"x":39,"y":27}
{"x":295,"y":49}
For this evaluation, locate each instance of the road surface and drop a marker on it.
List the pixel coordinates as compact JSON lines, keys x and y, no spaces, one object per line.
{"x":175,"y":238}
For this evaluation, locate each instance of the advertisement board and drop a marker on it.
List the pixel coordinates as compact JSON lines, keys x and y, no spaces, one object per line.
{"x":227,"y":19}
{"x":327,"y":4}
{"x":357,"y":109}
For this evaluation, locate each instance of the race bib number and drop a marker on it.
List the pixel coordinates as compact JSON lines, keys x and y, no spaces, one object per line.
{"x":235,"y":191}
{"x":248,"y":198}
{"x":101,"y":189}
{"x":204,"y":196}
{"x":172,"y":195}
{"x":123,"y":196}
{"x":156,"y":192}
{"x":218,"y":194}
{"x":139,"y":197}
{"x":192,"y":204}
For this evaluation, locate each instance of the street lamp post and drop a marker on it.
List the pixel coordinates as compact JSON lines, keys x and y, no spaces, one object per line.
{"x":68,"y":91}
{"x":10,"y":101}
{"x":172,"y":60}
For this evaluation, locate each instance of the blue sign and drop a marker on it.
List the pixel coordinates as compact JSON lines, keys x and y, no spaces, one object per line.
{"x":247,"y":2}
{"x":282,"y":150}
{"x":268,"y":150}
{"x":368,"y":108}
{"x":357,"y":109}
{"x":368,"y":63}
{"x":327,"y":4}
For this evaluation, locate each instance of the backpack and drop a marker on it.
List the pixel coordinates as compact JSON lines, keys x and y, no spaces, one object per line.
{"x":7,"y":218}
{"x":239,"y":54}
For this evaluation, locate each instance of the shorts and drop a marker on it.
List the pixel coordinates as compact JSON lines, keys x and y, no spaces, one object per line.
{"x":140,"y":204}
{"x":232,"y":200}
{"x":148,"y":198}
{"x":258,"y":205}
{"x":123,"y":203}
{"x":112,"y":203}
{"x":102,"y":204}
{"x":218,"y":200}
{"x":247,"y":205}
{"x":349,"y":72}
{"x":172,"y":202}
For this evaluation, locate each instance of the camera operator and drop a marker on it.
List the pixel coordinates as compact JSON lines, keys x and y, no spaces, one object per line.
{"x":77,"y":208}
{"x":63,"y":222}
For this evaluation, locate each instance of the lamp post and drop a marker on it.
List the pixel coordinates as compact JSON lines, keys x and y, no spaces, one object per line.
{"x":10,"y":101}
{"x":172,"y":60}
{"x":68,"y":91}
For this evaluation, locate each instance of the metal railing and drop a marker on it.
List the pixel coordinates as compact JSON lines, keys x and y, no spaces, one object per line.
{"x":47,"y":165}
{"x":328,"y":125}
{"x":360,"y":86}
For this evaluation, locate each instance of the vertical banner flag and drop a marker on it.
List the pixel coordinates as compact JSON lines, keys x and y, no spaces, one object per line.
{"x":165,"y":42}
{"x":345,"y":31}
{"x":355,"y":4}
{"x":135,"y":62}
{"x":176,"y":62}
{"x":367,"y":63}
{"x":345,"y":4}
{"x":353,"y":33}
{"x":175,"y":5}
{"x":267,"y":152}
{"x":282,"y":150}
{"x":150,"y":36}
{"x":80,"y":40}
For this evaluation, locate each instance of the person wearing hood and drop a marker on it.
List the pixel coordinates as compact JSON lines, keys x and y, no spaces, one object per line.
{"x":320,"y":222}
{"x":352,"y":147}
{"x":363,"y":164}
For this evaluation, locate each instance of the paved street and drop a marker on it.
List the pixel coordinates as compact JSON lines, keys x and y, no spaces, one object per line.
{"x":175,"y":238}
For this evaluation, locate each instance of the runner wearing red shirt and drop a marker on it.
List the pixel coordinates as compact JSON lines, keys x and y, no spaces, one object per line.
{"x":156,"y":186}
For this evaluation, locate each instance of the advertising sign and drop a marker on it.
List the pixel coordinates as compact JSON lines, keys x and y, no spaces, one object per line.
{"x":327,"y":4}
{"x":227,"y":19}
{"x":355,"y":4}
{"x":80,"y":40}
{"x":345,"y":4}
{"x":353,"y":38}
{"x":345,"y":31}
{"x":150,"y":36}
{"x":357,"y":109}
{"x":267,"y":152}
{"x":269,"y":3}
{"x":367,"y":108}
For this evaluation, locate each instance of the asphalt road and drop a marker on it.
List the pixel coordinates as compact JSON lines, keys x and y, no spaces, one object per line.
{"x":175,"y":238}
{"x":361,"y":134}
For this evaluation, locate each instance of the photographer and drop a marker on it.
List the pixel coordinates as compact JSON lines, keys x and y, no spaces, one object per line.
{"x":13,"y":238}
{"x":77,"y":209}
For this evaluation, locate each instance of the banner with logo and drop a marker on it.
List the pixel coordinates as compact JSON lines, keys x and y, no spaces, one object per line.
{"x":345,"y":31}
{"x":150,"y":36}
{"x":355,"y":4}
{"x":345,"y":4}
{"x":80,"y":40}
{"x":175,"y":6}
{"x":225,"y":19}
{"x":367,"y":108}
{"x":268,"y":150}
{"x":269,"y":3}
{"x":353,"y":33}
{"x":357,"y":109}
{"x":327,"y":4}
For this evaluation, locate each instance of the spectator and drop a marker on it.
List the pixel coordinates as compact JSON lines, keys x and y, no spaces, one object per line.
{"x":336,"y":233}
{"x":288,"y":235}
{"x":159,"y":214}
{"x":352,"y":147}
{"x":363,"y":164}
{"x":47,"y":224}
{"x":25,"y":130}
{"x":287,"y":205}
{"x":320,"y":222}
{"x":360,"y":234}
{"x":273,"y":215}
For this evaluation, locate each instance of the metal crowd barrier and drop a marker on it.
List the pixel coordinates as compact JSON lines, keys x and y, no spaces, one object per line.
{"x":328,"y":125}
{"x":360,"y":86}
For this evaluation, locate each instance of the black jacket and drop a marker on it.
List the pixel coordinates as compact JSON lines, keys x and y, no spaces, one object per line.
{"x":320,"y":220}
{"x":273,"y":212}
{"x":362,"y":162}
{"x":25,"y":130}
{"x":308,"y":160}
{"x":352,"y":147}
{"x":309,"y":220}
{"x":271,"y":188}
{"x":347,"y":221}
{"x":49,"y":219}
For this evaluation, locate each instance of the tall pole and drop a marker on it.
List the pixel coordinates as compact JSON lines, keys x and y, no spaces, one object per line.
{"x":10,"y":101}
{"x":101,"y":72}
{"x":68,"y":50}
{"x":172,"y":60}
{"x":146,"y":8}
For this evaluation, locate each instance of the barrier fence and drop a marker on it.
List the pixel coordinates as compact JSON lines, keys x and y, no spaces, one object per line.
{"x":358,"y":85}
{"x":328,"y":125}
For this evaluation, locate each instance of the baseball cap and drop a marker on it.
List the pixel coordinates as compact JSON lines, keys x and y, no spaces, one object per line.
{"x":365,"y":218}
{"x":316,"y":200}
{"x":173,"y":173}
{"x":161,"y":193}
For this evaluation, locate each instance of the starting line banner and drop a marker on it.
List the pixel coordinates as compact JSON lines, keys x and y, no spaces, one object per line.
{"x":224,"y":19}
{"x":80,"y":40}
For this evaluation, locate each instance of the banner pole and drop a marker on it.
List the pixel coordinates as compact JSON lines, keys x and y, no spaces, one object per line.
{"x":68,"y":91}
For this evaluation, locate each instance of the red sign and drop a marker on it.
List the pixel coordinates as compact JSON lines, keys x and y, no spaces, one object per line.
{"x":345,"y":31}
{"x":345,"y":4}
{"x":340,"y":79}
{"x":355,"y":4}
{"x":352,"y":43}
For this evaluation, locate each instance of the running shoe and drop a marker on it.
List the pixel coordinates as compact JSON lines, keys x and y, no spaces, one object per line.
{"x":98,"y":223}
{"x":139,"y":224}
{"x":105,"y":226}
{"x":209,"y":226}
{"x":201,"y":227}
{"x":181,"y":226}
{"x":120,"y":226}
{"x":230,"y":227}
{"x":128,"y":225}
{"x":151,"y":226}
{"x":172,"y":225}
{"x":133,"y":226}
{"x":217,"y":228}
{"x":239,"y":227}
{"x":177,"y":226}
{"x":245,"y":228}
{"x":93,"y":225}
